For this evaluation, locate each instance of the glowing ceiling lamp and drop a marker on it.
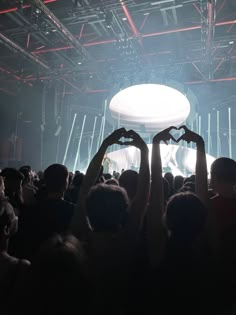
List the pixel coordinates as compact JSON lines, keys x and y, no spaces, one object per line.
{"x":152,"y":106}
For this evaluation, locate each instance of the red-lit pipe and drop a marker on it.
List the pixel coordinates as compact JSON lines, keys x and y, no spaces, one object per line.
{"x":198,"y":70}
{"x":177,"y":30}
{"x":71,"y":84}
{"x":81,"y":31}
{"x":23,"y":7}
{"x":225,"y":23}
{"x":132,"y":25}
{"x":230,"y":28}
{"x":144,"y":21}
{"x":42,"y":51}
{"x":218,"y":66}
{"x":10,"y":74}
{"x":100,"y":42}
{"x":197,"y":8}
{"x":184,"y":29}
{"x":28,"y":41}
{"x":7,"y":91}
{"x":213,"y":80}
{"x":129,"y":18}
{"x":187,"y":83}
{"x":224,"y":79}
{"x":220,"y":8}
{"x":210,"y":28}
{"x":96,"y":91}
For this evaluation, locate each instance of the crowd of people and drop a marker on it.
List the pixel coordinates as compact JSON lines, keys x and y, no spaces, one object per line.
{"x":137,"y":243}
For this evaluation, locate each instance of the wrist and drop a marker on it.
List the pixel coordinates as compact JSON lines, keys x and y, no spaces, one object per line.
{"x":200,"y":142}
{"x":143,"y":148}
{"x":156,"y":141}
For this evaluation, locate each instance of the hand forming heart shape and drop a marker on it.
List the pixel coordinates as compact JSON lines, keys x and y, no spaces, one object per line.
{"x":177,"y":133}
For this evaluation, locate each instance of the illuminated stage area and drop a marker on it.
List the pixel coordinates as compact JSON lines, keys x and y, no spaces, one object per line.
{"x":176,"y":159}
{"x":150,"y":107}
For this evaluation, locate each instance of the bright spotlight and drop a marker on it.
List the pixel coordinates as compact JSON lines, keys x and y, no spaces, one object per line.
{"x":153,"y":106}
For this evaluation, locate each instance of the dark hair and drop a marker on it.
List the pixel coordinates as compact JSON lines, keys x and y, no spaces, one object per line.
{"x":185,"y":215}
{"x":27,"y":167}
{"x":112,"y":181}
{"x":224,"y":169}
{"x":78,"y":179}
{"x":26,"y":173}
{"x":107,"y":176}
{"x":188,"y":186}
{"x":56,"y":176}
{"x":12,"y":174}
{"x":169,"y":177}
{"x":107,"y":207}
{"x":129,"y":181}
{"x":178,"y":182}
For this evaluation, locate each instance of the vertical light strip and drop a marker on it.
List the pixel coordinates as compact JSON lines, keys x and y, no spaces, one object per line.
{"x":218,"y":133}
{"x":69,"y":139}
{"x":79,"y":144}
{"x":230,"y":133}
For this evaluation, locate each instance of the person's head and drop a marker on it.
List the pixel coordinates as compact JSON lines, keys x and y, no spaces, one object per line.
{"x":185,"y":217}
{"x":27,"y":175}
{"x":107,"y":207}
{"x":78,"y":179}
{"x":56,"y":178}
{"x":28,"y":167}
{"x":112,"y":181}
{"x":129,"y":181}
{"x":223,"y":175}
{"x":117,"y":175}
{"x":178,"y":182}
{"x":70,"y":178}
{"x":192,"y":178}
{"x":189,"y":186}
{"x":59,"y":274}
{"x":8,"y":221}
{"x":170,"y":178}
{"x":107,"y":176}
{"x":12,"y":180}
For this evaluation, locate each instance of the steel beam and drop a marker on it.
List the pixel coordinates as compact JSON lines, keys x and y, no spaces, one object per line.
{"x":15,"y":47}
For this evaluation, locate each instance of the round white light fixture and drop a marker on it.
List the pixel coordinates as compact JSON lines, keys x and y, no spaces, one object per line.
{"x":152,"y":106}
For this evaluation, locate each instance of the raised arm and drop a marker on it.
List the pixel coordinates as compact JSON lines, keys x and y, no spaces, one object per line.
{"x":201,"y":164}
{"x":156,"y":231}
{"x":79,"y":224}
{"x":139,"y":203}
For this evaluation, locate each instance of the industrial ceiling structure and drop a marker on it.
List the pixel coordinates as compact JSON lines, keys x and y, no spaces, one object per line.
{"x":91,"y":45}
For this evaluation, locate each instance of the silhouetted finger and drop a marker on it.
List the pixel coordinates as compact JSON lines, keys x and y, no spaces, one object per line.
{"x":130,"y":133}
{"x":183,"y":127}
{"x":119,"y":142}
{"x":172,"y":127}
{"x":172,"y":138}
{"x":180,"y":138}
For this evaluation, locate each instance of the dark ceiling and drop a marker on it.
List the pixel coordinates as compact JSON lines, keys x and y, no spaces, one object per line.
{"x":92,"y":44}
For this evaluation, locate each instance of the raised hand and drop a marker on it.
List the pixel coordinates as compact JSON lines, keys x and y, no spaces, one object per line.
{"x":137,"y":141}
{"x":164,"y":136}
{"x":190,"y":136}
{"x":115,"y":136}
